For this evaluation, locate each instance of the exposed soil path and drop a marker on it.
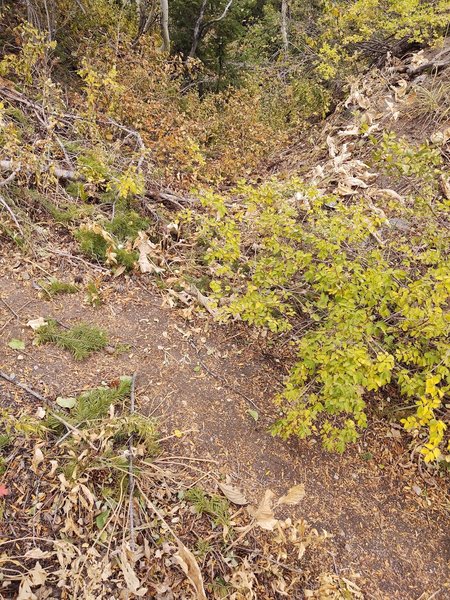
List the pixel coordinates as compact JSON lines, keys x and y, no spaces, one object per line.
{"x":195,"y":377}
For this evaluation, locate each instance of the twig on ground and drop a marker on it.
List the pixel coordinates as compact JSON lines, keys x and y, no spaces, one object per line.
{"x":10,"y":308}
{"x":130,"y":468}
{"x":78,"y":258}
{"x":10,"y":177}
{"x":18,"y":311}
{"x":42,"y":399}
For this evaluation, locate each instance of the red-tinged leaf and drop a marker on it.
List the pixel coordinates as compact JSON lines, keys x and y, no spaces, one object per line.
{"x":3,"y":491}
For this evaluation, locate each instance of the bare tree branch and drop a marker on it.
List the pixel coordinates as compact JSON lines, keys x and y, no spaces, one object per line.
{"x":201,"y":28}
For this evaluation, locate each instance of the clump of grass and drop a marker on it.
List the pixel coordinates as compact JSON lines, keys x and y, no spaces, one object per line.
{"x":5,"y":441}
{"x":56,"y":287}
{"x":77,"y":190}
{"x":11,"y":234}
{"x":92,"y":406}
{"x":126,"y":258}
{"x":433,"y":100}
{"x":92,"y":244}
{"x":81,"y":340}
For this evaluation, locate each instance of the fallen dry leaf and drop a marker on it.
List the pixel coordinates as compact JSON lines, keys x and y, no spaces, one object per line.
{"x":145,"y":247}
{"x":37,"y":323}
{"x":263,"y":515}
{"x":190,"y":567}
{"x":38,"y":457}
{"x":131,"y":579}
{"x":294,"y":495}
{"x":233,"y":494}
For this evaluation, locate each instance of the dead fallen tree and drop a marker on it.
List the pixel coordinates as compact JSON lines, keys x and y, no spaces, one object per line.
{"x":58,"y":172}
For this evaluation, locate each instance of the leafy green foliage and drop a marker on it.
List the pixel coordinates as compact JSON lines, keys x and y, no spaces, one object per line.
{"x":81,"y":340}
{"x":371,"y":316}
{"x":347,"y":27}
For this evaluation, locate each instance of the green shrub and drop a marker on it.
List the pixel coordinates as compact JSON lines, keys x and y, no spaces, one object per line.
{"x":91,"y":243}
{"x":97,"y":243}
{"x":126,"y":225}
{"x":371,"y":315}
{"x":348,"y":28}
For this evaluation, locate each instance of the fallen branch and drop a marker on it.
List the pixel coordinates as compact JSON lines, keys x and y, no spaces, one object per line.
{"x":13,"y":216}
{"x":130,"y":469}
{"x":60,"y":173}
{"x":437,"y":64}
{"x":39,"y":397}
{"x":202,"y":300}
{"x":170,"y":198}
{"x":10,"y":177}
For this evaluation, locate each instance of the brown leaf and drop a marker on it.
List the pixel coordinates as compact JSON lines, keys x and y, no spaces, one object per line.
{"x":190,"y":567}
{"x":131,"y":579}
{"x":145,"y":247}
{"x":263,"y":515}
{"x":233,"y":494}
{"x":38,"y":457}
{"x":294,"y":495}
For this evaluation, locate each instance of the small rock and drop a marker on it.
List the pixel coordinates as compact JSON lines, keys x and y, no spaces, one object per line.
{"x":110,"y":349}
{"x":400,"y":224}
{"x":417,"y":489}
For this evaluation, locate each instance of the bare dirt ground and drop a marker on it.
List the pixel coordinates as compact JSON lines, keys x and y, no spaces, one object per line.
{"x":389,"y":521}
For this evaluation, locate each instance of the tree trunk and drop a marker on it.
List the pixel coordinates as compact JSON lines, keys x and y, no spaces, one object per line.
{"x":165,"y":24}
{"x":198,"y":30}
{"x":284,"y":24}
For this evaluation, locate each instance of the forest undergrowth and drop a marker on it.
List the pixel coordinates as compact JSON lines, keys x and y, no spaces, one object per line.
{"x":305,"y":195}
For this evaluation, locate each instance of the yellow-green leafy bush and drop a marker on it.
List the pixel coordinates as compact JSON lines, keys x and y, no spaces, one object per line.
{"x":349,"y":28}
{"x":287,"y":259}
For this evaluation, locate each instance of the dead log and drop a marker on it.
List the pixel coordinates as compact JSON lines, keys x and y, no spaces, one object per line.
{"x":169,"y":199}
{"x":435,"y":65}
{"x":60,"y":173}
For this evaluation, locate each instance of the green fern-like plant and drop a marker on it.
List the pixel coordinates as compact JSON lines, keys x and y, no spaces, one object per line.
{"x":81,"y":340}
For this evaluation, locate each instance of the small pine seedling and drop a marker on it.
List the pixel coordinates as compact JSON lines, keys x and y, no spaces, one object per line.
{"x":55,"y":287}
{"x":81,"y":340}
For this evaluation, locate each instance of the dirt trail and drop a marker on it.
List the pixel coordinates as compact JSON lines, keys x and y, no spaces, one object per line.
{"x":195,"y":380}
